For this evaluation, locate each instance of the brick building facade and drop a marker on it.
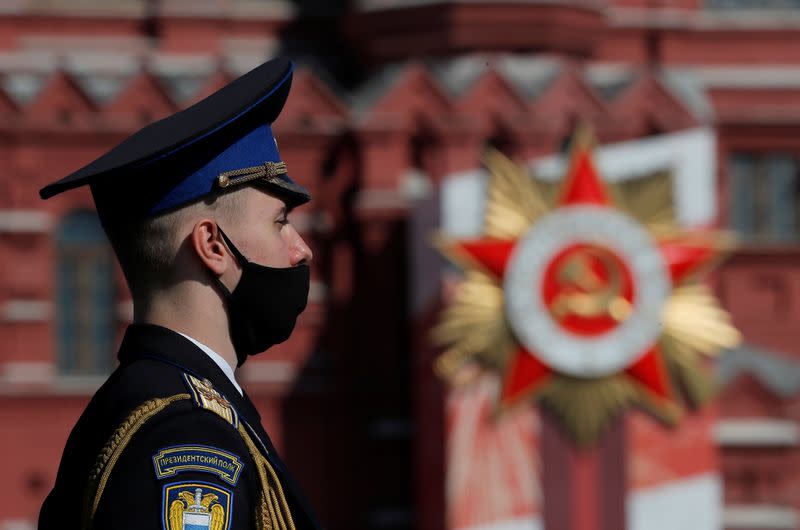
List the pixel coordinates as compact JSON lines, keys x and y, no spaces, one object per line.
{"x":391,"y":98}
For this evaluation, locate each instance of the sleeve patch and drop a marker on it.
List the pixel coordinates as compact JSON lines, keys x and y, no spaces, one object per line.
{"x":181,"y":458}
{"x":196,"y":506}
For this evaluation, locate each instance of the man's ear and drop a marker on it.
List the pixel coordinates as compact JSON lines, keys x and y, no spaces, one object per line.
{"x":207,"y":243}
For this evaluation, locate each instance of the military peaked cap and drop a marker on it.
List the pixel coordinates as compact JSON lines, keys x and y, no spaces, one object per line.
{"x":215,"y":145}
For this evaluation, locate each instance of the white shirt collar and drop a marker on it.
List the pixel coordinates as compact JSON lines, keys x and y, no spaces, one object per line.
{"x":226,"y":368}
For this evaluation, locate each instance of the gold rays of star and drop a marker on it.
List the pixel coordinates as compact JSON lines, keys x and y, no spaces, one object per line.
{"x":475,"y":332}
{"x":515,"y":201}
{"x":474,"y":326}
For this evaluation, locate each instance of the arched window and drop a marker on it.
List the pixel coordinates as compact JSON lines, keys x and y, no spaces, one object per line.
{"x":84,"y":296}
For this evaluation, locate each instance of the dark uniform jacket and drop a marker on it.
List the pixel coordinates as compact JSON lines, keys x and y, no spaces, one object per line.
{"x":184,"y":466}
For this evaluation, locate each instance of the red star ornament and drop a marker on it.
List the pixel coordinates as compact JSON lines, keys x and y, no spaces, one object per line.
{"x":572,"y":289}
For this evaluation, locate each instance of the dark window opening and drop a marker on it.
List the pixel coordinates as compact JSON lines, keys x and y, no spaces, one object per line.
{"x":765,"y":197}
{"x":84,"y":296}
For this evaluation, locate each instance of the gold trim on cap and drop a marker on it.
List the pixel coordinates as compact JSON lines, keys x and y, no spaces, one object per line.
{"x":267,"y":170}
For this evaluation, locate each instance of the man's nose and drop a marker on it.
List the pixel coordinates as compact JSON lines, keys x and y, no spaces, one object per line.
{"x":299,"y":251}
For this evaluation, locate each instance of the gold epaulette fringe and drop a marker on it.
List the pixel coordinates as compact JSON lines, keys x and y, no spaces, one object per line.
{"x":273,"y":511}
{"x":205,"y":396}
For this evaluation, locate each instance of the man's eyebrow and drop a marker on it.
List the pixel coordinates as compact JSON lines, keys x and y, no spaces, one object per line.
{"x":284,"y":211}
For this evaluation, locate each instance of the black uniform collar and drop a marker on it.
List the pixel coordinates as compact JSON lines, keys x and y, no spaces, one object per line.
{"x":149,"y":341}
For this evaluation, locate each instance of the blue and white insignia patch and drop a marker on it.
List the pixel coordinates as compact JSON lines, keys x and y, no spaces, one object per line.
{"x":196,"y":506}
{"x":170,"y":461}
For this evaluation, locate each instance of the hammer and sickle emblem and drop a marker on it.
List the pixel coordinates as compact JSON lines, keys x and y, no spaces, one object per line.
{"x":598,"y":297}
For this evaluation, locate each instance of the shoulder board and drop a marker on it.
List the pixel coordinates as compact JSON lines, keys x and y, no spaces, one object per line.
{"x":205,"y":396}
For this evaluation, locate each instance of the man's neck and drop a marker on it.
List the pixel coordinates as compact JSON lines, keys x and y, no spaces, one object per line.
{"x":208,"y":324}
{"x":222,"y":363}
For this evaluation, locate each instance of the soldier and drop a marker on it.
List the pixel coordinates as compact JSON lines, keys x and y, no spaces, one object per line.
{"x":171,"y":440}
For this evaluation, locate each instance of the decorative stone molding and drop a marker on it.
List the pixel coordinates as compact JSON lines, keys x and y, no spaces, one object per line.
{"x":317,"y":292}
{"x":281,"y":372}
{"x":27,"y":372}
{"x":22,"y":310}
{"x":385,"y":31}
{"x":25,"y":221}
{"x":756,"y":432}
{"x":759,"y":516}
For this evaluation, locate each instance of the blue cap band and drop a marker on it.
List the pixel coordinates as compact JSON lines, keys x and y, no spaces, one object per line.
{"x":253,"y":149}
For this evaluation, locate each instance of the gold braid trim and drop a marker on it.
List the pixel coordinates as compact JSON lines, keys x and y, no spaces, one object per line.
{"x":275,"y":513}
{"x":273,"y":510}
{"x":107,"y":459}
{"x":267,"y":171}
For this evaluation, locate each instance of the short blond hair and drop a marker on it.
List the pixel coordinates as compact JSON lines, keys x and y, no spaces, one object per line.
{"x":146,"y":248}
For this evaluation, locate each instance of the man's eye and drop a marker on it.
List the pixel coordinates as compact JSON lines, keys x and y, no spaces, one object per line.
{"x":283,"y":221}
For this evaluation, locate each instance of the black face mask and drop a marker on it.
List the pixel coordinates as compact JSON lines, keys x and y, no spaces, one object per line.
{"x":263,"y":307}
